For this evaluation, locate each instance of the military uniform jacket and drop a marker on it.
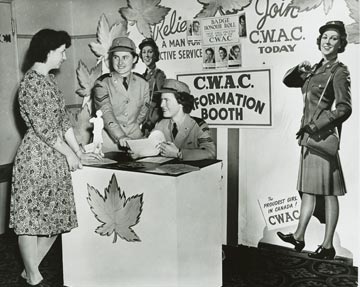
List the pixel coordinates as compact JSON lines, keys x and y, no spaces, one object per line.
{"x":312,"y":85}
{"x":193,"y":137}
{"x":155,"y":78}
{"x":123,"y":110}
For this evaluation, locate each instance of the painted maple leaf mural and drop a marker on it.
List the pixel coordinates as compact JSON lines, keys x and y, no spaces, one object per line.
{"x":353,"y":29}
{"x":81,"y":125}
{"x":86,"y":81}
{"x":116,"y":213}
{"x":144,"y":13}
{"x":353,"y":5}
{"x":211,"y":7}
{"x":307,"y":5}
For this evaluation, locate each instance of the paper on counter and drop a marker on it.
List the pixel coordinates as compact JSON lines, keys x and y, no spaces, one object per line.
{"x":95,"y":161}
{"x":148,"y":146}
{"x":155,"y":159}
{"x":175,"y":169}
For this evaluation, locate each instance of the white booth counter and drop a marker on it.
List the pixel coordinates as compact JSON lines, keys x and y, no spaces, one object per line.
{"x":168,"y":227}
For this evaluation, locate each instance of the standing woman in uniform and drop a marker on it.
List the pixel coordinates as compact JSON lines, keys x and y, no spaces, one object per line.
{"x":122,"y":96}
{"x":149,"y":54}
{"x":42,"y":202}
{"x":320,"y":176}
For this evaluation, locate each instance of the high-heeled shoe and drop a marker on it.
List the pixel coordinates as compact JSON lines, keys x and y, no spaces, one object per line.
{"x":25,"y":283}
{"x":23,"y":275}
{"x":323,"y":253}
{"x":289,"y":238}
{"x":38,"y":284}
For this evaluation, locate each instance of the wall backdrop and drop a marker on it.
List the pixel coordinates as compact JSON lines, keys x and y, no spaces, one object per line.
{"x":254,"y":116}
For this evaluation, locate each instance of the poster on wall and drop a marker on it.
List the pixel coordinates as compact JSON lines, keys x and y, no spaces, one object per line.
{"x":193,"y":31}
{"x":220,"y":42}
{"x":232,"y":98}
{"x":220,"y":30}
{"x":280,"y":210}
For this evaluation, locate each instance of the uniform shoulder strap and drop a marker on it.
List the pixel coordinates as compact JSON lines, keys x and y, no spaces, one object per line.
{"x":104,"y":76}
{"x":332,"y":73}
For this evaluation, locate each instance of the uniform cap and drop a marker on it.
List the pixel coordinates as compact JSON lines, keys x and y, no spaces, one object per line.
{"x":123,"y":44}
{"x":147,"y":42}
{"x":339,"y":25}
{"x":174,"y":86}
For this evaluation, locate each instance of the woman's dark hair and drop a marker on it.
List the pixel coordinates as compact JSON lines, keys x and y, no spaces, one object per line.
{"x":343,"y":41}
{"x":42,"y":43}
{"x":224,"y":50}
{"x":150,"y":42}
{"x":186,"y":100}
{"x":210,"y":50}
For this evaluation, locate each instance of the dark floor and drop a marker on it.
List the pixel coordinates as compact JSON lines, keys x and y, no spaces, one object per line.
{"x":273,"y":266}
{"x":11,"y":264}
{"x":242,"y":267}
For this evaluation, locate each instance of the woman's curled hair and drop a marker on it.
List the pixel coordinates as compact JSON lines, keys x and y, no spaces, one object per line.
{"x":343,"y":41}
{"x":42,"y":43}
{"x":186,"y":100}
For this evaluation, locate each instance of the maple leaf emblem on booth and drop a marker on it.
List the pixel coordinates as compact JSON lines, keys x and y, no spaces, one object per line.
{"x":116,"y":213}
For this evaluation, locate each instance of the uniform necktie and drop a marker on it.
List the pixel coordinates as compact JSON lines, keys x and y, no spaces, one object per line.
{"x":174,"y":130}
{"x":125,"y":83}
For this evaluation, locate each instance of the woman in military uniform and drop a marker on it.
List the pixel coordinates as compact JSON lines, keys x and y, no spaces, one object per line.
{"x":149,"y":54}
{"x":186,"y":137}
{"x":320,"y":178}
{"x":122,"y":96}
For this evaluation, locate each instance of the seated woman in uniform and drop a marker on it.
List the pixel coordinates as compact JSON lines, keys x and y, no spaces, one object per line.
{"x":187,"y":138}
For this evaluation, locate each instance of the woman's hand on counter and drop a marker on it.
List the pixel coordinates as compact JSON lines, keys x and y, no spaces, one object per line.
{"x":123,"y":141}
{"x":73,"y":161}
{"x":89,"y":157}
{"x":168,"y":149}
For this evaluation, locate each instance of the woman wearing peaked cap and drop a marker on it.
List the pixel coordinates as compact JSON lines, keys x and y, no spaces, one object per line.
{"x":320,"y":179}
{"x":187,"y":138}
{"x":122,"y":96}
{"x":149,"y":54}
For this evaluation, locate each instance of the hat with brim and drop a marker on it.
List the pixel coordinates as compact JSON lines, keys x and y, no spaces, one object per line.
{"x":174,"y":86}
{"x":338,"y":25}
{"x":124,"y":44}
{"x":147,"y":42}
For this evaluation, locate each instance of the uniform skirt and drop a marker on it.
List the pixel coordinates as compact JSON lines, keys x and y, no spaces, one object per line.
{"x":320,"y":175}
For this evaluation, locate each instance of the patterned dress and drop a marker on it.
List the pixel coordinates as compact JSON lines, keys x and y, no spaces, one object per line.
{"x":42,"y":199}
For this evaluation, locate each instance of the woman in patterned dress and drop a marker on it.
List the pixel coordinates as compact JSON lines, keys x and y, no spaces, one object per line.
{"x":320,"y":179}
{"x":42,"y":202}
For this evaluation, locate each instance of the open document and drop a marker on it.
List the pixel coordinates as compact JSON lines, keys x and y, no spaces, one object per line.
{"x":148,"y":146}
